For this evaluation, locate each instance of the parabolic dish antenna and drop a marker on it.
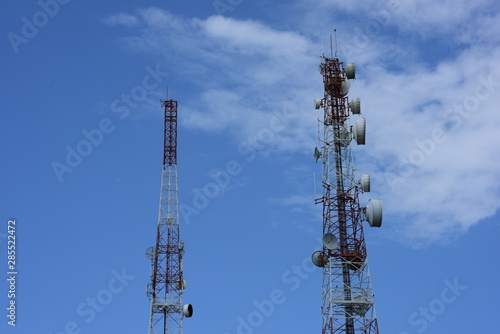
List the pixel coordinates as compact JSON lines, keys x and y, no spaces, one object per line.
{"x":317,"y":103}
{"x":187,"y":310}
{"x":365,"y":183}
{"x":359,"y":131}
{"x":350,"y":71}
{"x":319,"y":259}
{"x":150,"y":253}
{"x":355,"y":106}
{"x":374,"y":212}
{"x":346,"y":85}
{"x":183,"y":285}
{"x":330,"y":241}
{"x":317,"y":154}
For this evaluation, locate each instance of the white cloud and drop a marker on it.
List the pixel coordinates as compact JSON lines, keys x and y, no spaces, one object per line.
{"x":251,"y":37}
{"x":427,"y":17}
{"x":297,"y":201}
{"x":434,"y":17}
{"x":482,"y":29}
{"x":121,"y":19}
{"x":445,"y":183}
{"x":245,"y":75}
{"x":161,"y":20}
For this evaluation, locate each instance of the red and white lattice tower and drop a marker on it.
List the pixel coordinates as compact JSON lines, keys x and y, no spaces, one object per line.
{"x":348,"y":303}
{"x":167,"y":282}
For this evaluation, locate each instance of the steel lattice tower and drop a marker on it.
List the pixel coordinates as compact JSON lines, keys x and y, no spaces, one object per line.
{"x":167,"y":282}
{"x":347,"y":295}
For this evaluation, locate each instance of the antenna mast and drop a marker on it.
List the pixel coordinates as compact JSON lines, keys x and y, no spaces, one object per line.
{"x":348,"y":300}
{"x":335,"y":34}
{"x":167,"y":282}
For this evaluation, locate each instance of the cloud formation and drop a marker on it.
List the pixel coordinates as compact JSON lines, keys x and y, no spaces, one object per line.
{"x":429,"y":85}
{"x":122,"y":19}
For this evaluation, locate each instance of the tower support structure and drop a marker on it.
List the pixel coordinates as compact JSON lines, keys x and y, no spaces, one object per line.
{"x":347,"y":294}
{"x":167,"y":281}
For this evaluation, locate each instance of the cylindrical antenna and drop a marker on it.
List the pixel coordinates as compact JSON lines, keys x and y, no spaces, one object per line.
{"x":331,"y":46}
{"x":335,"y":33}
{"x":319,"y":132}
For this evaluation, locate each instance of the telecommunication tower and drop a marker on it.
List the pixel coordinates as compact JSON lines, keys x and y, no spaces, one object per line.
{"x":347,"y":295}
{"x":167,"y":282}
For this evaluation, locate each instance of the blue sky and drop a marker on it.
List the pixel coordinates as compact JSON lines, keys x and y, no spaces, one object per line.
{"x":82,"y":133}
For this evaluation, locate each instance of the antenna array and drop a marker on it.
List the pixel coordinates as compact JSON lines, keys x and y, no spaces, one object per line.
{"x":348,"y":303}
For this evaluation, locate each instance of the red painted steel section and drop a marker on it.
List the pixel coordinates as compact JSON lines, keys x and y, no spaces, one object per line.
{"x":170,"y":135}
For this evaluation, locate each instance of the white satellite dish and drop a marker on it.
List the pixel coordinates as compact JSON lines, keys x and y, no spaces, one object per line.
{"x":317,"y":154}
{"x":346,"y":85}
{"x":373,"y":212}
{"x":150,"y":253}
{"x":317,"y":103}
{"x":330,"y":241}
{"x":365,"y":183}
{"x":187,"y":310}
{"x":355,"y":106}
{"x":183,"y":285}
{"x":319,"y":259}
{"x":350,"y":71}
{"x":359,"y":131}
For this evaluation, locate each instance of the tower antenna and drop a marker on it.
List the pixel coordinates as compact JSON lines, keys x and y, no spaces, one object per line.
{"x":348,"y":302}
{"x":167,"y":281}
